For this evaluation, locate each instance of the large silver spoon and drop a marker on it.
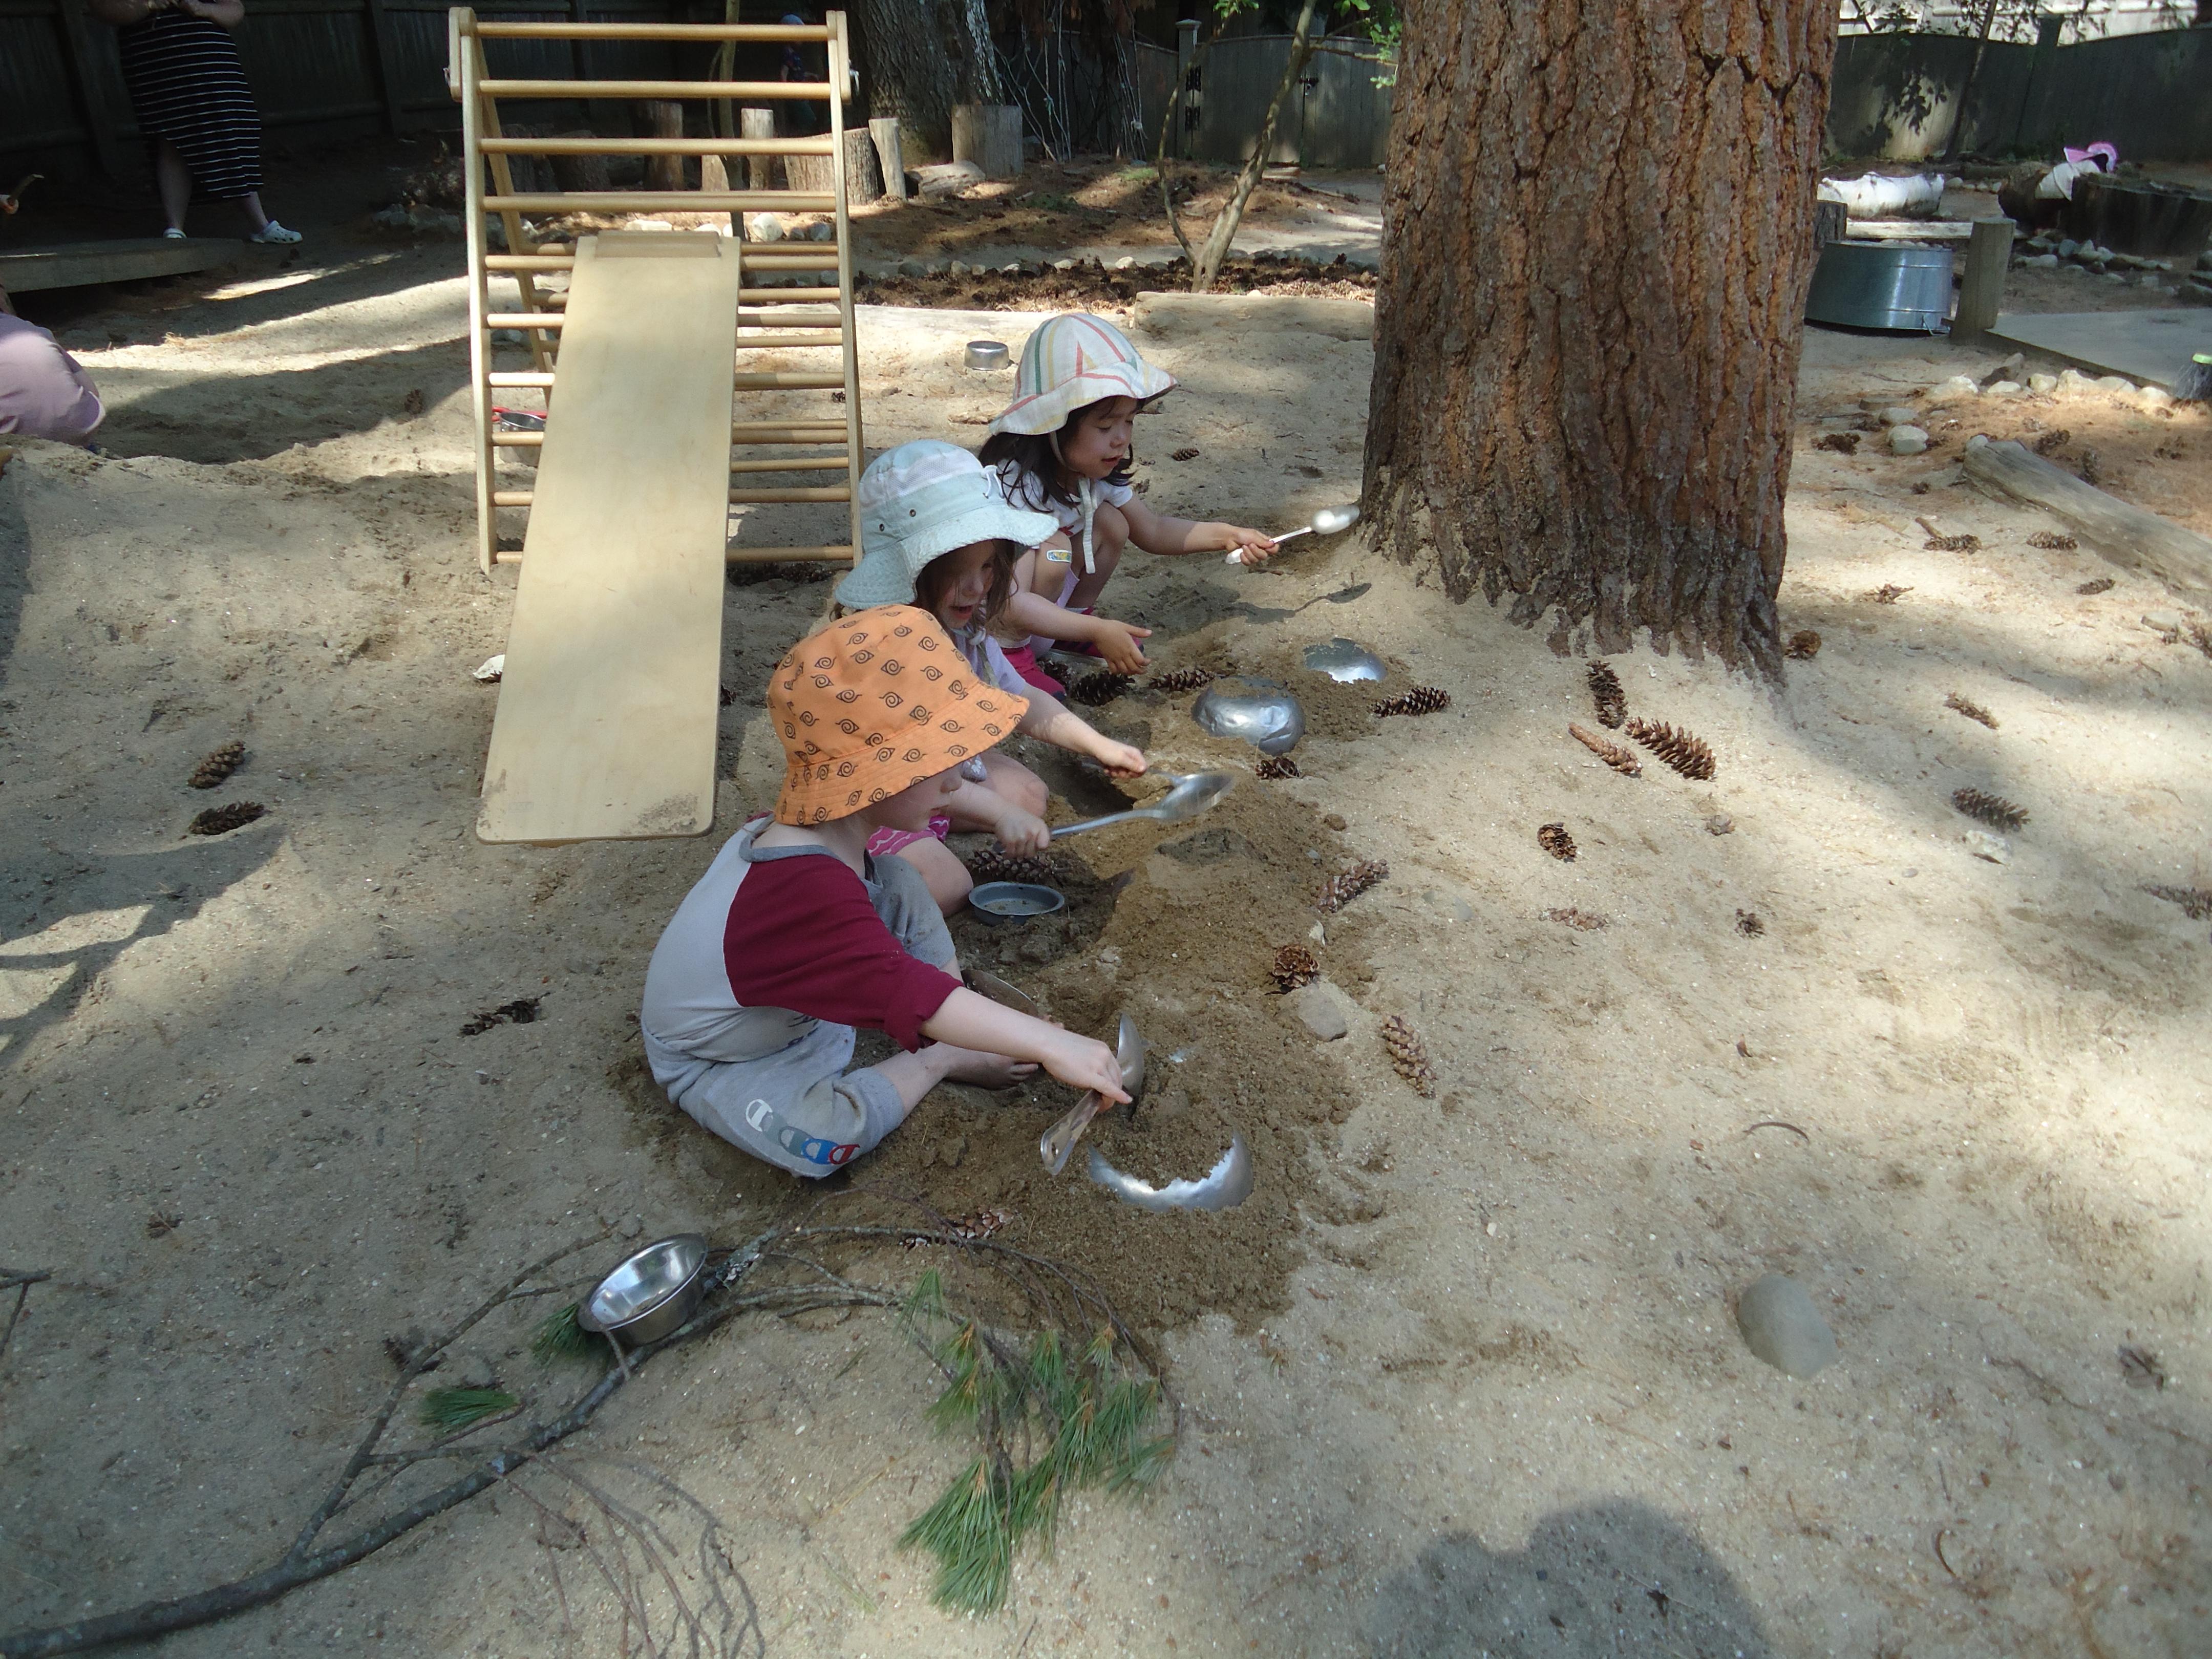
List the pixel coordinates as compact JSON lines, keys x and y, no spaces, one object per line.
{"x":1057,"y":1142}
{"x":1192,"y":793}
{"x":1329,"y":521}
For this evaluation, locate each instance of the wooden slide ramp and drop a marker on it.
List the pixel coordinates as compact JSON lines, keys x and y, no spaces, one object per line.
{"x":607,"y":709}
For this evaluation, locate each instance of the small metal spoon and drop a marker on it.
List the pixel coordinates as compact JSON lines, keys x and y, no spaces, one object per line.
{"x":1192,"y":793}
{"x":1058,"y":1142}
{"x":1329,"y":521}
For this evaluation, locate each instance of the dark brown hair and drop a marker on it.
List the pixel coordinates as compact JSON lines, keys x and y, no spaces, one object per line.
{"x":1032,"y":454}
{"x":929,"y":586}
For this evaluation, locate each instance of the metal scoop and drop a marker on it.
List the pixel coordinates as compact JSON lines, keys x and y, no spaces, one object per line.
{"x":1228,"y":1184}
{"x":1329,"y":521}
{"x":1192,"y":793}
{"x":1054,"y":1146}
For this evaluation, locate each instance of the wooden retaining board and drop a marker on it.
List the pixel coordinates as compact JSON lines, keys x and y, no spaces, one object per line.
{"x":130,"y":259}
{"x":607,"y":709}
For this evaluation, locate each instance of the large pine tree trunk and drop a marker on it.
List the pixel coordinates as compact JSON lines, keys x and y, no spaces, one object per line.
{"x":1597,"y":239}
{"x":906,"y":72}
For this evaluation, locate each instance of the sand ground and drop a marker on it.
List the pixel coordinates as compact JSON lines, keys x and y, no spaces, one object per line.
{"x":1464,"y":1377}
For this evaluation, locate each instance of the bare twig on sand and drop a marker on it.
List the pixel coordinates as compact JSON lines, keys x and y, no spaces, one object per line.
{"x":19,"y":1280}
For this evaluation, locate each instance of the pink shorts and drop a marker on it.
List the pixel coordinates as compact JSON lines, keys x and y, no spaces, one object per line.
{"x":1024,"y":663}
{"x":884,"y":843}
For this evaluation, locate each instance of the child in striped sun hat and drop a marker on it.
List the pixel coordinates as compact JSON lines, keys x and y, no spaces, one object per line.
{"x":1064,"y":446}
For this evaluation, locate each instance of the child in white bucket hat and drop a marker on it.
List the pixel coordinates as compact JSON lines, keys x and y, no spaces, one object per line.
{"x":936,"y":532}
{"x":1064,"y":446}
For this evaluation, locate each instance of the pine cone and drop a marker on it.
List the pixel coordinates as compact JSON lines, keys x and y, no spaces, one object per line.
{"x":1844,"y":443}
{"x":1973,"y":711}
{"x":1581,"y":920}
{"x":1277,"y":766}
{"x":1295,"y":965}
{"x":1188,"y":452}
{"x":1687,"y":754}
{"x":2051,"y":542}
{"x":1748,"y":924}
{"x":996,"y":864}
{"x":1993,"y":810}
{"x":1096,"y":690}
{"x":1622,"y":761}
{"x":2051,"y":440}
{"x":1181,"y":679}
{"x":2195,"y":903}
{"x":1421,"y":700}
{"x":221,"y":820}
{"x":1408,"y":1057}
{"x":1605,"y":691}
{"x":1339,"y":891}
{"x":2090,"y":469}
{"x":1804,"y":645}
{"x":1887,"y":593}
{"x":219,"y":764}
{"x":2101,"y":584}
{"x":1554,"y":839}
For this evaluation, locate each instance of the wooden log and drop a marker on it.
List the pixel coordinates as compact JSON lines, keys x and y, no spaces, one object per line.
{"x":665,"y":117}
{"x":863,"y":172}
{"x":2128,"y":536}
{"x":1981,"y":287}
{"x":1829,"y":219}
{"x":947,"y":177}
{"x":990,"y":136}
{"x":884,"y":131}
{"x":759,"y":125}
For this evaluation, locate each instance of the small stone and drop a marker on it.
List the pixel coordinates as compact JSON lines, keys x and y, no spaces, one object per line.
{"x":957,"y":269}
{"x":1988,"y":846}
{"x":2114,"y":383}
{"x":2011,"y":369}
{"x":824,"y":232}
{"x":2114,"y":276}
{"x":1127,"y":262}
{"x":2068,"y":248}
{"x":1780,"y":1326}
{"x":506,"y":336}
{"x":764,"y":228}
{"x":1063,"y":265}
{"x":1719,"y":825}
{"x":1320,"y":1012}
{"x":1958,"y":386}
{"x":1012,"y":268}
{"x":1898,"y":416}
{"x":2154,"y":397}
{"x":1109,"y":958}
{"x":2043,"y":261}
{"x":2042,"y":385}
{"x":2004,"y":389}
{"x":2073,"y":380}
{"x":912,"y":268}
{"x":1907,"y":441}
{"x":1334,"y":820}
{"x":1317,"y":934}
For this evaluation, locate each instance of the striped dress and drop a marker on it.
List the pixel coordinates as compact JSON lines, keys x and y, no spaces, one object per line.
{"x":188,"y":86}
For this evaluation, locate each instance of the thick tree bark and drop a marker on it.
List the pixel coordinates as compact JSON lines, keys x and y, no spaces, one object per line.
{"x":1597,"y":239}
{"x":906,"y":72}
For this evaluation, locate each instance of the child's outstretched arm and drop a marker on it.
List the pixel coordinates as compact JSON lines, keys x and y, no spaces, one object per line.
{"x":1116,"y":641}
{"x":1058,"y":725}
{"x":1156,"y":532}
{"x":970,"y":1021}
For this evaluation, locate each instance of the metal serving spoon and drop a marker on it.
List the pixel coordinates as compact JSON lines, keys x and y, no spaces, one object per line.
{"x":1059,"y":1141}
{"x":1228,"y":1184}
{"x":1329,"y":521}
{"x":1192,"y":793}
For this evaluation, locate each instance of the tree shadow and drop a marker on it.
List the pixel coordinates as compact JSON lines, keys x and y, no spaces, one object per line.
{"x":1602,"y":1579}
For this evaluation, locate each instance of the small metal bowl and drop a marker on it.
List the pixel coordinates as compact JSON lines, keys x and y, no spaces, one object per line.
{"x":1344,"y":661}
{"x":651,"y":1294}
{"x":1264,"y":715}
{"x":997,"y":902}
{"x":987,"y":354}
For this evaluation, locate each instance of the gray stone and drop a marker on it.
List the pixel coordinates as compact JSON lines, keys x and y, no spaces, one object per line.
{"x":1988,"y":846}
{"x":1898,"y":416}
{"x":824,"y":232}
{"x":2114,"y":383}
{"x":1320,"y":1012}
{"x":1780,"y":1326}
{"x":2068,"y":248}
{"x":1127,"y":262}
{"x":2043,"y":261}
{"x":912,"y":268}
{"x":1907,"y":441}
{"x":958,"y":268}
{"x":1720,"y":824}
{"x":1063,"y":265}
{"x":2154,"y":397}
{"x":1958,"y":386}
{"x":2042,"y":385}
{"x":2004,"y":389}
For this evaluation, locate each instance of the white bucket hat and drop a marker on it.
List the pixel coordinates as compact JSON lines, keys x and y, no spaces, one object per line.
{"x":1072,"y":362}
{"x":917,"y":503}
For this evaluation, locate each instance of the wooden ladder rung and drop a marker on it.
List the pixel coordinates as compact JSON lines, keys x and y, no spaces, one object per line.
{"x":518,"y":377}
{"x":526,"y":261}
{"x":596,"y":146}
{"x":776,"y":381}
{"x":519,"y":440}
{"x":820,"y":256}
{"x":728,"y":91}
{"x":780,"y":555}
{"x":792,"y":493}
{"x":824,"y":463}
{"x":758,"y":317}
{"x":793,"y":33}
{"x":511,"y":497}
{"x":795,"y":342}
{"x":770,"y":432}
{"x":663,"y":201}
{"x":524,"y":319}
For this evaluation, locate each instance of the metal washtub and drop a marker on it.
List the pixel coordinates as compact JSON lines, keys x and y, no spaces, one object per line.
{"x":1881,"y":285}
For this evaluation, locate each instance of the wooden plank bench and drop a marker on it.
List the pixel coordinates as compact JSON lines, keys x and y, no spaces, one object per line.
{"x":607,"y":709}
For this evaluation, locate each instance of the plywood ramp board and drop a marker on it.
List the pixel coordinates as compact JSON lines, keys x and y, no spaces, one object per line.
{"x":606,"y":721}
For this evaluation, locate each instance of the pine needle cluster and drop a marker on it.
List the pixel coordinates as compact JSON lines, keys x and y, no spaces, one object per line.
{"x":1687,"y":754}
{"x":1971,"y":709}
{"x":1083,"y":1422}
{"x":1409,"y":1056}
{"x":1421,"y":700}
{"x":449,"y":1410}
{"x":1554,"y":839}
{"x":1339,"y":891}
{"x":1277,"y":766}
{"x":219,"y":764}
{"x":221,"y":820}
{"x":1993,"y":810}
{"x":1621,"y":760}
{"x":559,"y":1336}
{"x":1611,"y":702}
{"x":1181,"y":679}
{"x":1097,"y":689}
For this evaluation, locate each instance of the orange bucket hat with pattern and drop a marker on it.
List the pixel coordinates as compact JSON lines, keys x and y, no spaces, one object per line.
{"x":874,"y":704}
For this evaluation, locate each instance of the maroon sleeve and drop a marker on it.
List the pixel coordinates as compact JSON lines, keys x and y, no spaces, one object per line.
{"x":802,"y":935}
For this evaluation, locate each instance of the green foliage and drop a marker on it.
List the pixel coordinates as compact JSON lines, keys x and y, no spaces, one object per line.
{"x":558,"y":1336}
{"x":1078,"y":1419}
{"x":450,"y":1409}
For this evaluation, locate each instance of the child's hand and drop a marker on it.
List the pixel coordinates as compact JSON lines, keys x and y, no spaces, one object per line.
{"x":1117,"y":644}
{"x":1120,"y":760}
{"x":1022,"y":833}
{"x":1249,"y":546}
{"x":1083,"y":1062}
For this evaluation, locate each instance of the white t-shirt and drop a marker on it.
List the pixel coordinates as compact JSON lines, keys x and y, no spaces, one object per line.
{"x":1020,"y":490}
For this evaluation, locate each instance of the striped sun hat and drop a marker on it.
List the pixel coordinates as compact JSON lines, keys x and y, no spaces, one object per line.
{"x":1073,"y":362}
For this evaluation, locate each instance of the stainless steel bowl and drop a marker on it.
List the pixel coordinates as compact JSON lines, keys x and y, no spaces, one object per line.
{"x":651,"y":1294}
{"x":996,"y":902}
{"x":1264,"y":715}
{"x":987,"y":354}
{"x":1344,"y":661}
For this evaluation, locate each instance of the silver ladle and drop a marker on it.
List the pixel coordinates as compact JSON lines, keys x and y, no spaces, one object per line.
{"x":1192,"y":793}
{"x":1059,"y":1141}
{"x":1329,"y":521}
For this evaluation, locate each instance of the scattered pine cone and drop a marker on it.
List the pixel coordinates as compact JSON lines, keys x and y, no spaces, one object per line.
{"x":1554,"y":839}
{"x":2195,"y":903}
{"x":1844,"y":443}
{"x":1887,"y":593}
{"x":2101,"y":584}
{"x":1277,"y":766}
{"x":996,"y":864}
{"x":1295,"y":965}
{"x":1803,"y":645}
{"x":1748,"y":924}
{"x":2051,"y":542}
{"x":1181,"y":679}
{"x":523,"y":1011}
{"x":2052,"y":440}
{"x":1973,"y":711}
{"x":413,"y":403}
{"x":2200,"y":634}
{"x":1188,"y":452}
{"x":1621,"y":760}
{"x":1993,"y":810}
{"x":1409,"y":1057}
{"x":1606,"y":693}
{"x":1339,"y":891}
{"x":1687,"y":754}
{"x":219,"y":764}
{"x":1421,"y":700}
{"x":1581,"y":921}
{"x":1096,"y":689}
{"x":1952,"y":544}
{"x":2091,"y":469}
{"x":221,"y":820}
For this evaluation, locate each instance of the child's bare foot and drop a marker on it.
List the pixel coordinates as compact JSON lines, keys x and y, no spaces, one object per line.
{"x":989,"y":1071}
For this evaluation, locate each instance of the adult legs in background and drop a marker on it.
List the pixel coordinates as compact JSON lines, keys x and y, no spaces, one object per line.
{"x":176,"y":180}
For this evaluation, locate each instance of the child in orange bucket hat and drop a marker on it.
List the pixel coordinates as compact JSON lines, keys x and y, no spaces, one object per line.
{"x":795,"y":936}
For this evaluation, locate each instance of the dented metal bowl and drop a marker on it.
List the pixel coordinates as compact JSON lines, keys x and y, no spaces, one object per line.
{"x":1344,"y":661}
{"x":1260,"y":712}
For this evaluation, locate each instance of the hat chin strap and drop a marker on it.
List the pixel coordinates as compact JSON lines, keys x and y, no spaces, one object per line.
{"x":1086,"y":498}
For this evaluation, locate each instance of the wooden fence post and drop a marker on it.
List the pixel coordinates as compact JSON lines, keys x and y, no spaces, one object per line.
{"x":755,"y":122}
{"x":884,"y":131}
{"x":384,"y":55}
{"x":1981,"y":287}
{"x":80,"y":45}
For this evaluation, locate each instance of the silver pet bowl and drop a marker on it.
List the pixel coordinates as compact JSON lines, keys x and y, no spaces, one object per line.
{"x":996,"y":902}
{"x":1344,"y":661}
{"x":651,"y":1294}
{"x":987,"y":354}
{"x":1264,"y":715}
